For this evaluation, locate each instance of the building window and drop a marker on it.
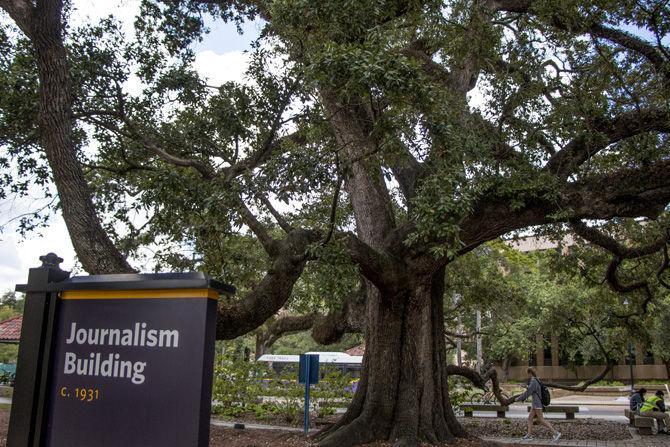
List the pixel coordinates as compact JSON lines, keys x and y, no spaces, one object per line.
{"x":648,"y":358}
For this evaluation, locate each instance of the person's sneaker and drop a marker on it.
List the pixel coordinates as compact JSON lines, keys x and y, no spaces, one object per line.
{"x":527,"y":437}
{"x":557,"y":436}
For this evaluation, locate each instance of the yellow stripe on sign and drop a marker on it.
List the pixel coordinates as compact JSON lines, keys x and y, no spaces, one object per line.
{"x":139,"y":294}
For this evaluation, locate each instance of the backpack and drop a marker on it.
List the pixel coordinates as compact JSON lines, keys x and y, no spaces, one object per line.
{"x":545,"y":396}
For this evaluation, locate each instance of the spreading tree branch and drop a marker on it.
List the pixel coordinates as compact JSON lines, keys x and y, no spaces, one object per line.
{"x":279,"y":327}
{"x":283,"y":224}
{"x":604,"y":132}
{"x":203,"y":169}
{"x":621,"y":253}
{"x":480,"y":380}
{"x":238,"y":317}
{"x":350,"y":318}
{"x":268,"y":243}
{"x":21,"y":12}
{"x":584,"y":385}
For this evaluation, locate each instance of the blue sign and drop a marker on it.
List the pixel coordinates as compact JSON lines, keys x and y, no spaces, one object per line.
{"x":309,"y":365}
{"x":308,"y":373}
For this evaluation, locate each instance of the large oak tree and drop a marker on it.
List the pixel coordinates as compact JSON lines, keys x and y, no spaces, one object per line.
{"x":425,"y":127}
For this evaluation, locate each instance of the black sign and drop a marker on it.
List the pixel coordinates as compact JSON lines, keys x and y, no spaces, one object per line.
{"x":131,"y":368}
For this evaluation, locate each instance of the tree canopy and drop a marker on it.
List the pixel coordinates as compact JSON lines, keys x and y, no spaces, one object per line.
{"x":374,"y":143}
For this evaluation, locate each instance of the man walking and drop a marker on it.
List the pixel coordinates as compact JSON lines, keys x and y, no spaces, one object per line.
{"x":536,"y":409}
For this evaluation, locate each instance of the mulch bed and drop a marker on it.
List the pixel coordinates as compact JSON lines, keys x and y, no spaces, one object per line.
{"x":4,"y":422}
{"x":593,"y":429}
{"x":228,"y":437}
{"x":224,"y":437}
{"x":6,"y":391}
{"x":220,"y":437}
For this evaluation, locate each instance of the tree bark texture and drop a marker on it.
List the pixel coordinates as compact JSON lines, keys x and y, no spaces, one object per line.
{"x":43,"y":25}
{"x":403,"y":395}
{"x":403,"y":392}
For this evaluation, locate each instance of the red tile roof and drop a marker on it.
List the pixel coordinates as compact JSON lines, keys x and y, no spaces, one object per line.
{"x":356,"y":350}
{"x":10,"y":330}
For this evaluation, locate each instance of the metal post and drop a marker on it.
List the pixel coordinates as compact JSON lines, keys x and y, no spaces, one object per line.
{"x":459,"y":345}
{"x":28,"y":400}
{"x":307,"y":374}
{"x":630,"y":364}
{"x":459,"y":332}
{"x":479,"y":341}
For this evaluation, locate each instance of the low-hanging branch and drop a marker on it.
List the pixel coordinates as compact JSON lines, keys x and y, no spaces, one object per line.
{"x":280,"y":327}
{"x":480,"y":380}
{"x":326,"y":328}
{"x":619,"y":254}
{"x":584,"y":385}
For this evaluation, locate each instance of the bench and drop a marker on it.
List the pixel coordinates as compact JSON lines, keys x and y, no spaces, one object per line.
{"x":567,"y":409}
{"x":645,"y":425}
{"x":631,"y":416}
{"x":470,"y":407}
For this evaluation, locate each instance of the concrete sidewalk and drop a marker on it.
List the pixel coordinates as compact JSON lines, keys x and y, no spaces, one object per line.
{"x":635,"y":441}
{"x":647,"y":441}
{"x":586,"y":400}
{"x":227,"y":424}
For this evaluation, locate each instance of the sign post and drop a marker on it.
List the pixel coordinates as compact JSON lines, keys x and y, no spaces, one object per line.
{"x":309,"y":375}
{"x":31,"y":367}
{"x":122,"y":360}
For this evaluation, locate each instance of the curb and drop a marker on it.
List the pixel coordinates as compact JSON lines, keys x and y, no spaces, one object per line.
{"x":230,"y":424}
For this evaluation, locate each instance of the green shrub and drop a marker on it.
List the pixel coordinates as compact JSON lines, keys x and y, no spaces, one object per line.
{"x":250,"y":388}
{"x":651,"y":382}
{"x":237,"y":385}
{"x":608,"y":383}
{"x":333,"y":391}
{"x":460,"y":391}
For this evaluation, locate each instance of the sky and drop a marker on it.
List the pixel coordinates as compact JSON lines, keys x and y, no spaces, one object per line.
{"x":219,"y":57}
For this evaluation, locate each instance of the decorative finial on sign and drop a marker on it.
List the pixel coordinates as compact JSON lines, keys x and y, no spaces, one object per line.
{"x":51,"y":260}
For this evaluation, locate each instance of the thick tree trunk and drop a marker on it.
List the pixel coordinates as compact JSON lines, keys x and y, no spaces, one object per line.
{"x":93,"y":246}
{"x":403,"y":395}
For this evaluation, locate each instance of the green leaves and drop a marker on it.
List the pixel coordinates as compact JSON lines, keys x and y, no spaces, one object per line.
{"x":440,"y":205}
